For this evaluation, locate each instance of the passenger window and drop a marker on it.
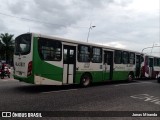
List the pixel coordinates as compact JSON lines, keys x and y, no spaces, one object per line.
{"x":83,"y":53}
{"x":118,"y":57}
{"x":125,"y":58}
{"x":50,"y":50}
{"x":132,"y":58}
{"x":96,"y":55}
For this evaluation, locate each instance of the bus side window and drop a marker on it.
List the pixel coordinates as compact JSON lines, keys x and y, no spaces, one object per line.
{"x":49,"y":50}
{"x":132,"y":58}
{"x":125,"y":57}
{"x":83,"y":53}
{"x":142,"y":58}
{"x":118,"y":57}
{"x":96,"y":55}
{"x":151,"y":62}
{"x":155,"y":62}
{"x":158,"y":61}
{"x":108,"y":58}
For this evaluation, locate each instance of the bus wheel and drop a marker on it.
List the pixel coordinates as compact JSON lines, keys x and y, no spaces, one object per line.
{"x":130,"y":77}
{"x":85,"y":80}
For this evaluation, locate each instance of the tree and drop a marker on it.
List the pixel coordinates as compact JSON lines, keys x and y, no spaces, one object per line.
{"x":6,"y":47}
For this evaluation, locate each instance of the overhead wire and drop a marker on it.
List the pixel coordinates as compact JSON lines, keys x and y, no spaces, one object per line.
{"x":33,"y":20}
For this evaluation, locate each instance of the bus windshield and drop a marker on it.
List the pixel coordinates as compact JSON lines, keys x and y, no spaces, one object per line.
{"x":23,"y":44}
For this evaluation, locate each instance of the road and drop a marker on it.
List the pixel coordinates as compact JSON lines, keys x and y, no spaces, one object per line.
{"x":143,"y":95}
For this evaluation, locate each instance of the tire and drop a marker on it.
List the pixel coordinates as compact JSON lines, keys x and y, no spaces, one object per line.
{"x":130,"y":77}
{"x":158,"y":80}
{"x":86,"y":80}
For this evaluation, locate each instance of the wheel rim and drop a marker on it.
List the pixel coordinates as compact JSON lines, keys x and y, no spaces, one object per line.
{"x":86,"y":81}
{"x":130,"y":77}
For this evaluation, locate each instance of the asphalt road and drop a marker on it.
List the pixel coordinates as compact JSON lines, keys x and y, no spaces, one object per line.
{"x":143,"y":95}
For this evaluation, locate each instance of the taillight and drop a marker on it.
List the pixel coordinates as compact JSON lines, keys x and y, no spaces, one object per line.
{"x":29,"y":68}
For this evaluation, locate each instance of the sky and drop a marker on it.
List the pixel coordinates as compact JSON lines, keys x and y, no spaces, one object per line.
{"x":129,"y":24}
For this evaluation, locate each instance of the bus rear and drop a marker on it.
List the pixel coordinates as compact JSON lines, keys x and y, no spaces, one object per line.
{"x":23,"y":55}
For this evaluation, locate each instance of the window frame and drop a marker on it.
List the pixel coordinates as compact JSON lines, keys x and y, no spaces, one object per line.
{"x":100,"y":55}
{"x":115,"y":57}
{"x":123,"y":55}
{"x":18,"y":41}
{"x":132,"y":58}
{"x":157,"y":61}
{"x":42,"y":42}
{"x":79,"y":53}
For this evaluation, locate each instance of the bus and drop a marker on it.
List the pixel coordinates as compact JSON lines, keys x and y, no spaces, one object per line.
{"x":150,"y":67}
{"x":48,"y":60}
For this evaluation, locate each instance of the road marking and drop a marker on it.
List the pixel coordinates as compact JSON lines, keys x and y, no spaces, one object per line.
{"x":60,"y":91}
{"x":139,"y":82}
{"x":147,"y":98}
{"x":127,"y":84}
{"x":5,"y":80}
{"x":145,"y":82}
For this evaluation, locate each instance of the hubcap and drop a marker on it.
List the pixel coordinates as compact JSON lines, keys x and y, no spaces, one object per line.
{"x":86,"y":81}
{"x":130,"y":77}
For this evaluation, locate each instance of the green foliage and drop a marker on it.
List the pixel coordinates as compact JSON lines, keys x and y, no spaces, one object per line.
{"x":6,"y":47}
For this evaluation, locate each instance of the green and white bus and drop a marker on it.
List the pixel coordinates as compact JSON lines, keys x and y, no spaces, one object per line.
{"x":46,"y":60}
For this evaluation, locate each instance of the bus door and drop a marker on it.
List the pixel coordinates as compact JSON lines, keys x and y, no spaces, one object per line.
{"x":138,"y":65}
{"x":69,"y":64}
{"x":108,"y":65}
{"x":151,"y":67}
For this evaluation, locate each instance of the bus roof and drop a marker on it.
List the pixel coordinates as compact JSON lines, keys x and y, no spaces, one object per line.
{"x":81,"y":42}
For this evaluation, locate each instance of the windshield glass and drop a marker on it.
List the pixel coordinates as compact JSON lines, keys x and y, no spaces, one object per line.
{"x":23,"y":44}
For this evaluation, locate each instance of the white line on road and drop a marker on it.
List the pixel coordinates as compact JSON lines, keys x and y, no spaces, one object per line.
{"x":134,"y":83}
{"x":147,"y":98}
{"x":146,"y":82}
{"x":60,"y":91}
{"x":127,"y":84}
{"x":5,"y":80}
